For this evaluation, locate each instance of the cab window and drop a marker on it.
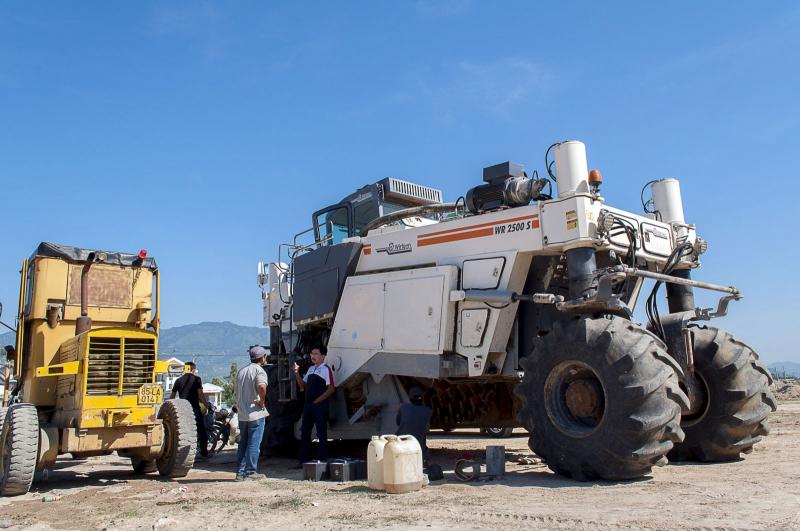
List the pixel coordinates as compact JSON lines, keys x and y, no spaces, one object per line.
{"x":333,"y":226}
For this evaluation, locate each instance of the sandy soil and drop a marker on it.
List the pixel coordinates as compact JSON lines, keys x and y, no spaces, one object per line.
{"x":760,"y":492}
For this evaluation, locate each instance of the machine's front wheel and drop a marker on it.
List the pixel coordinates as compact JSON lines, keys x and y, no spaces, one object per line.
{"x":601,"y":399}
{"x":735,"y":400}
{"x":180,"y":439}
{"x":19,"y":449}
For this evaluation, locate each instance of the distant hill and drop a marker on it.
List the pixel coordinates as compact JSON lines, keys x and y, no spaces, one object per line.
{"x":213,"y":345}
{"x":785,"y":368}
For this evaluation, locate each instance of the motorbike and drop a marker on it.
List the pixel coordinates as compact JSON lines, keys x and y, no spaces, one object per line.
{"x":222,"y":426}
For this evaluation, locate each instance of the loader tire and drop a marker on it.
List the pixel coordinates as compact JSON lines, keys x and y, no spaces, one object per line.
{"x":180,"y":439}
{"x":19,"y":449}
{"x":601,"y":399}
{"x":733,"y":416}
{"x":143,"y":466}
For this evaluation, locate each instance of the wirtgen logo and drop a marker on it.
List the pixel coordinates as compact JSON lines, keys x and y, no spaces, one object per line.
{"x":395,"y":248}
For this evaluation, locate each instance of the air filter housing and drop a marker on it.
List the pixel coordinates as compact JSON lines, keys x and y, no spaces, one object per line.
{"x":409,"y":193}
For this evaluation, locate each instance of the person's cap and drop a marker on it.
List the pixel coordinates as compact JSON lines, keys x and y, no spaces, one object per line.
{"x":415,"y":393}
{"x":257,"y":352}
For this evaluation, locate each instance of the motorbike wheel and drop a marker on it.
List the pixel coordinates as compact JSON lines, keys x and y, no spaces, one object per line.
{"x":218,"y":439}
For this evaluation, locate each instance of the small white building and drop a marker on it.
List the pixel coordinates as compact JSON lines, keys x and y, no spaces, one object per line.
{"x":167,"y":379}
{"x":213,"y":393}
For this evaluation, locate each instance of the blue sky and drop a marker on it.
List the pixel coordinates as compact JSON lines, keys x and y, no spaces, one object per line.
{"x":207,"y":133}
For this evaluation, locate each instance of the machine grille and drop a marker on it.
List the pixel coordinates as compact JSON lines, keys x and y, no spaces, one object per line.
{"x":105,"y":355}
{"x":102,"y":375}
{"x":140,"y":359}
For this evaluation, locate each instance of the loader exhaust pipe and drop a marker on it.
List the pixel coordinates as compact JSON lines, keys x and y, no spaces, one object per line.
{"x":84,"y":322}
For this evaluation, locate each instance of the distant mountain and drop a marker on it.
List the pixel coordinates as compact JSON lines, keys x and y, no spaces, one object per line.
{"x":785,"y":368}
{"x":212,"y":345}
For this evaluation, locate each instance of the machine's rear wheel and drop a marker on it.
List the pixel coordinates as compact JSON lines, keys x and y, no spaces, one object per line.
{"x":180,"y":439}
{"x":19,"y":449}
{"x":736,"y":400}
{"x":143,"y":466}
{"x":498,"y":432}
{"x":601,"y":399}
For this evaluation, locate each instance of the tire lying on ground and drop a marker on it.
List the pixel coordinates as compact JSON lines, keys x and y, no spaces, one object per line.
{"x":19,"y":449}
{"x":180,"y":439}
{"x":733,"y":414}
{"x":601,"y":399}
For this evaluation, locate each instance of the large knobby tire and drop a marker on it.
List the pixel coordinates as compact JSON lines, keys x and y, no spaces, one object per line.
{"x":601,"y":399}
{"x":733,"y":414}
{"x":180,"y":439}
{"x":19,"y":449}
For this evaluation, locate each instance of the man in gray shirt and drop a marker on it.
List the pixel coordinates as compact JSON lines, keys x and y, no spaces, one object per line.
{"x":251,"y":395}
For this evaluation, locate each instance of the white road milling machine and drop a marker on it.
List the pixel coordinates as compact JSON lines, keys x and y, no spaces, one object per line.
{"x":512,"y":307}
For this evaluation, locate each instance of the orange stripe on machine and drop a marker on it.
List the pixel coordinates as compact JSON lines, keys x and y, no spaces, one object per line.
{"x":455,"y":237}
{"x":505,"y":226}
{"x":489,"y":224}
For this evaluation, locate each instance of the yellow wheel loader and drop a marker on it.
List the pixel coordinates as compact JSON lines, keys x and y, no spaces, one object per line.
{"x":85,"y":364}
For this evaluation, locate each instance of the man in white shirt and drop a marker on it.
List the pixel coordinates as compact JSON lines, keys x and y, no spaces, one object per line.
{"x":319,"y":387}
{"x":251,"y":395}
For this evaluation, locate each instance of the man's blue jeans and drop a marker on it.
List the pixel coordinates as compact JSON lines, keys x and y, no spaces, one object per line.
{"x":250,"y":434}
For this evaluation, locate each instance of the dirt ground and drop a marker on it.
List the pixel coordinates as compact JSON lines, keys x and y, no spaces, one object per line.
{"x":760,"y":492}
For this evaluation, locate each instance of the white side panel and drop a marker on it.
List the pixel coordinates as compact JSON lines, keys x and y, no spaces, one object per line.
{"x":413,"y":315}
{"x":397,"y":312}
{"x":483,"y":273}
{"x":359,"y":321}
{"x":473,"y":326}
{"x":656,"y":240}
{"x":568,"y":220}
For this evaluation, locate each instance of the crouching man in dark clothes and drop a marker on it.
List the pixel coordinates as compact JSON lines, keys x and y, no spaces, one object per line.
{"x":413,"y":419}
{"x":318,"y":386}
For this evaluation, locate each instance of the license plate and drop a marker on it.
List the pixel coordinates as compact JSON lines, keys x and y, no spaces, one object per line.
{"x":150,"y":394}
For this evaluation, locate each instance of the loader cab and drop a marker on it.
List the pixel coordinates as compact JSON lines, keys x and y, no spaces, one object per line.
{"x":348,"y":217}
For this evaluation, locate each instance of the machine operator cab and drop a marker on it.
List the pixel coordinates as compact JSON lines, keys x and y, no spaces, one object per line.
{"x":348,"y":217}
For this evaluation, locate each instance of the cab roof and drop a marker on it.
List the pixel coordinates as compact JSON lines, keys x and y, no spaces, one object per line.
{"x":77,"y":254}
